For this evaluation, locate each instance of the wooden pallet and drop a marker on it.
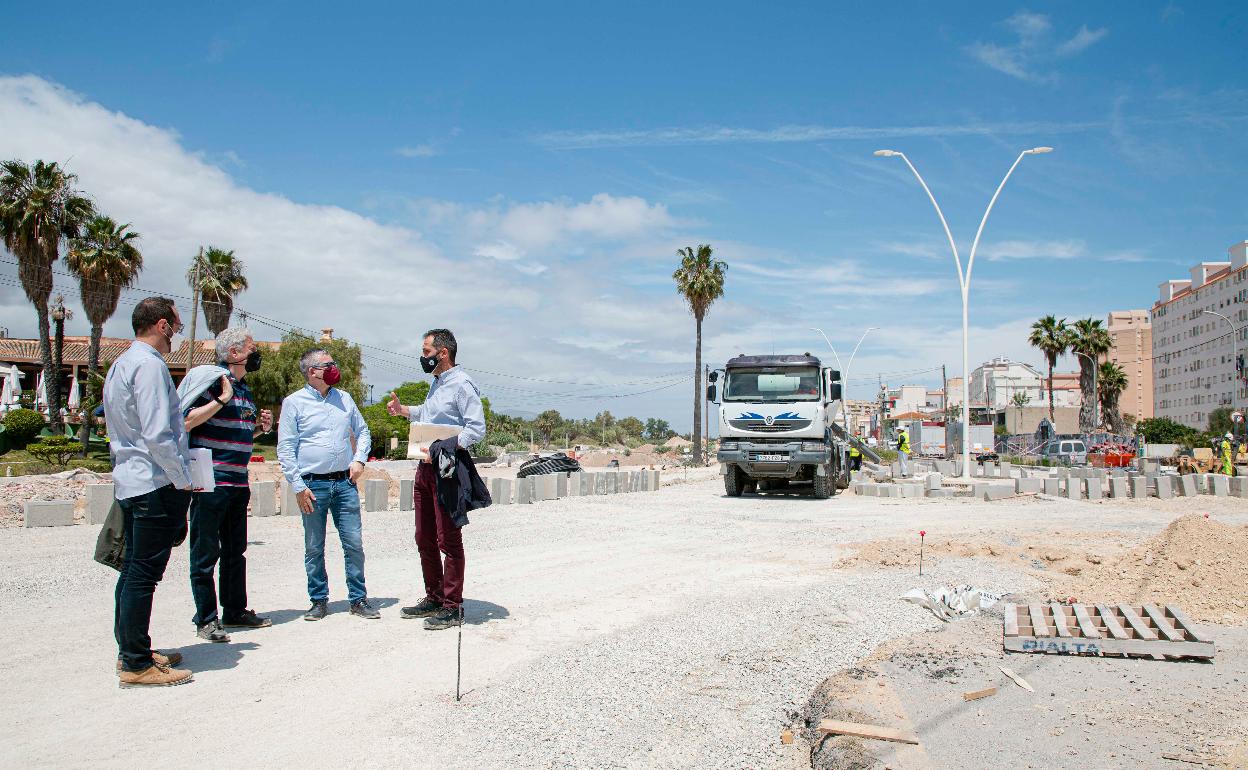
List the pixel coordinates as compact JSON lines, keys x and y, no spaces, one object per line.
{"x":1102,"y":629}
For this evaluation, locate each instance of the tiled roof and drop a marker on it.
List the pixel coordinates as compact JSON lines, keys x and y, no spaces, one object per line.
{"x":76,"y":350}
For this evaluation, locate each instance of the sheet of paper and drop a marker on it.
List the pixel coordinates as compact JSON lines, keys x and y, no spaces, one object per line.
{"x":202,"y":477}
{"x":422,"y":434}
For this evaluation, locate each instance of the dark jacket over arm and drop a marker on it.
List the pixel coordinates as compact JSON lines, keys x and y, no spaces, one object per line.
{"x":461,"y":489}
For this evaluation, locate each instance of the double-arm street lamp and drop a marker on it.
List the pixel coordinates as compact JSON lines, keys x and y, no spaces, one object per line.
{"x":845,"y":371}
{"x":1234,"y":354}
{"x":964,"y":281}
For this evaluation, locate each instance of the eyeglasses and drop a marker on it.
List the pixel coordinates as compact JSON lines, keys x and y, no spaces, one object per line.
{"x":176,"y":329}
{"x":325,"y":365}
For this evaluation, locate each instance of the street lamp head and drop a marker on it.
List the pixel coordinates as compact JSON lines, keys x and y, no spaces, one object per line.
{"x":886,"y":153}
{"x":1038,"y":150}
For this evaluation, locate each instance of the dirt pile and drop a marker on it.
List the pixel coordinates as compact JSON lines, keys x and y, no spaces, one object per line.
{"x":370,"y":474}
{"x":1048,"y":553}
{"x":1196,"y":563}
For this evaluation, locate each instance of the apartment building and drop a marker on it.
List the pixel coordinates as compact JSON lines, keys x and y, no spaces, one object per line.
{"x":997,"y":382}
{"x":1193,"y":345}
{"x":1132,"y":335}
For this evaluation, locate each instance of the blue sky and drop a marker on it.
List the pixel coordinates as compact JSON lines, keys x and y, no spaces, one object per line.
{"x":523,"y":173}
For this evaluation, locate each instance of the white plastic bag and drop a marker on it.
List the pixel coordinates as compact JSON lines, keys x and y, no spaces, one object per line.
{"x":202,"y":477}
{"x":949,"y":603}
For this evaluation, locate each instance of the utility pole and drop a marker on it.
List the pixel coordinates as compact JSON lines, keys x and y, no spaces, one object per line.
{"x":944,"y":405}
{"x":190,"y":350}
{"x":706,"y":412}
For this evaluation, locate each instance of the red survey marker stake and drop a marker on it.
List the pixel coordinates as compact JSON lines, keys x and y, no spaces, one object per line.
{"x":922,"y":535}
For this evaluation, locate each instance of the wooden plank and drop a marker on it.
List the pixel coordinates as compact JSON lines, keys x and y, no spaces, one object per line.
{"x":1018,"y":680}
{"x":1112,"y":625}
{"x":1191,"y":760}
{"x":1059,"y":619}
{"x":1038,"y":626}
{"x":1162,"y":623}
{"x":859,"y":730}
{"x":786,"y":736}
{"x":1011,"y":619}
{"x":1086,"y":625}
{"x":977,"y":694}
{"x":1181,"y":620}
{"x":1155,"y":648}
{"x":1137,"y":623}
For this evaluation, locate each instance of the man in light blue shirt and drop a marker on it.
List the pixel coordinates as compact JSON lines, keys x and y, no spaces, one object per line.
{"x":152,"y":480}
{"x":454,"y":399}
{"x":322,"y":444}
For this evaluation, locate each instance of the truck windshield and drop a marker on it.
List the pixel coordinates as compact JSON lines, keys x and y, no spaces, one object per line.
{"x":772,"y":384}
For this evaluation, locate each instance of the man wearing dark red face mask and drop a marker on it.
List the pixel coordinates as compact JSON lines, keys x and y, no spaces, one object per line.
{"x":322,"y":445}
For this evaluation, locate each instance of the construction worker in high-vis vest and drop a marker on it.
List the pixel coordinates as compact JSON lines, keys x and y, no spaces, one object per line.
{"x":903,"y":450}
{"x":855,"y":456}
{"x":1225,"y":450}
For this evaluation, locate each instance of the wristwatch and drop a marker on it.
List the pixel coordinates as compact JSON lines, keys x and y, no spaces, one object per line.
{"x":219,"y":401}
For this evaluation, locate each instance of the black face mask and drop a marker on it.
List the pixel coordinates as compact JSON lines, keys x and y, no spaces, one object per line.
{"x":252,"y":362}
{"x":429,"y":363}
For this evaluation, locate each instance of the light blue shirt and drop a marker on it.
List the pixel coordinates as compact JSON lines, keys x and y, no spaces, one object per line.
{"x":146,"y":435}
{"x":317,"y":435}
{"x":454,"y":399}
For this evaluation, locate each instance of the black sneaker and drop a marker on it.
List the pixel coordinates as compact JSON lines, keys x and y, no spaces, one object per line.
{"x":365,"y":609}
{"x":441,"y":619}
{"x":212,"y":632}
{"x":319,"y":609}
{"x":423,"y":609}
{"x":246,"y":619}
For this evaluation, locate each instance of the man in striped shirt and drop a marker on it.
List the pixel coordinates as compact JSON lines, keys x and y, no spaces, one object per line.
{"x":224,"y":420}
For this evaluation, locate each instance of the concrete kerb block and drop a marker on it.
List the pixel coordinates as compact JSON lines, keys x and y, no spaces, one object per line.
{"x":634,"y":481}
{"x":1063,"y":473}
{"x":933,"y":481}
{"x":890,"y":490}
{"x":289,"y":506}
{"x":589,"y":483}
{"x":654,"y":480}
{"x":1165,"y":487}
{"x":895,"y":469}
{"x":621,"y":481}
{"x":524,"y":491}
{"x":939,"y":493}
{"x":911,"y":490}
{"x":997,"y":492}
{"x":1220,"y":485}
{"x":1074,"y":488}
{"x":1094,"y":488}
{"x":574,"y":484}
{"x":1187,"y":485}
{"x":407,"y":488}
{"x":1052,"y":486}
{"x":49,"y":513}
{"x":1239,"y":486}
{"x":496,"y":491}
{"x":1118,"y":487}
{"x":1139,"y":486}
{"x":546,"y":487}
{"x":100,"y":500}
{"x":376,"y":495}
{"x":561,"y":485}
{"x":1028,"y":486}
{"x":264,"y":498}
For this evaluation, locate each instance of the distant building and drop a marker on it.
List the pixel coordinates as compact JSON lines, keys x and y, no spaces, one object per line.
{"x":995,"y":384}
{"x":860,"y":414}
{"x":1193,"y":361}
{"x":1132,"y":335}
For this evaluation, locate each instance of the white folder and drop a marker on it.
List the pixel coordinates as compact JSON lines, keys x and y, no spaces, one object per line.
{"x":422,"y":434}
{"x":202,"y":477}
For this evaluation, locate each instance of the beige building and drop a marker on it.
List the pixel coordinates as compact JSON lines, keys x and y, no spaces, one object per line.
{"x":1132,"y":335}
{"x":860,"y":414}
{"x":1193,"y":357}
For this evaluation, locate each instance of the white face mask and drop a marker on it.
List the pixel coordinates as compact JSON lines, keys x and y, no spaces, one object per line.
{"x":175,"y":340}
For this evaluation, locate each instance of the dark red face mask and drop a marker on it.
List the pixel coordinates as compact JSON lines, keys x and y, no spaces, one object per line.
{"x":331,"y":376}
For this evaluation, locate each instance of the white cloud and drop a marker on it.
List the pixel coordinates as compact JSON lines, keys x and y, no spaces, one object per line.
{"x":417,"y":151}
{"x":1003,"y":250}
{"x":1033,"y":52}
{"x":500,"y":250}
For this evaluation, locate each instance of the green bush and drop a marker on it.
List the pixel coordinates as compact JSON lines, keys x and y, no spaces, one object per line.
{"x":21,"y":426}
{"x":55,"y":450}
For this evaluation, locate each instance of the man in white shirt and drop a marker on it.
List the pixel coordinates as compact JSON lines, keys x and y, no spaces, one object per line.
{"x":152,"y":480}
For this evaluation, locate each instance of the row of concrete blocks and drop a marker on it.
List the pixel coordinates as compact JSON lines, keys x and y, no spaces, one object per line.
{"x":100,"y":499}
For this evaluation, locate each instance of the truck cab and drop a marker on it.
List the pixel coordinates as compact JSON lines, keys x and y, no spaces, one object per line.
{"x":776,"y":414}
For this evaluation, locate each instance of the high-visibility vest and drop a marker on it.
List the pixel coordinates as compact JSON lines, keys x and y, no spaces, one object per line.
{"x":903,"y":443}
{"x":854,"y":452}
{"x":1226,"y":449}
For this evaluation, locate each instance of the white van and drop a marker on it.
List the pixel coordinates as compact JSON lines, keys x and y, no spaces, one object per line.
{"x":1067,"y":451}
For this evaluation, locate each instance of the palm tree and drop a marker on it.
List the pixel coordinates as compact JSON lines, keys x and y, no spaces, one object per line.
{"x":1052,"y":337}
{"x":1111,"y":381}
{"x":1089,"y":337}
{"x":221,"y":279}
{"x":105,"y":260}
{"x":38,"y":207}
{"x":700,"y":280}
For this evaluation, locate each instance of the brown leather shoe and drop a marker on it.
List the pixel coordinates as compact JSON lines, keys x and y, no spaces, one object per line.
{"x":155,"y":676}
{"x":160,"y":659}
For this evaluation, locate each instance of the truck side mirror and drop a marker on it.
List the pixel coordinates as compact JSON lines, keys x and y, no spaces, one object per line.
{"x":710,"y":393}
{"x":835,"y":393}
{"x":712,"y":377}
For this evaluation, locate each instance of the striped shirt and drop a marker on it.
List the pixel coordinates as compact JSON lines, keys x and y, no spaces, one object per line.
{"x":229,"y":434}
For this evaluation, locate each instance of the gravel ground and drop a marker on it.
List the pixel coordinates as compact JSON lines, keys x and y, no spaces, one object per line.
{"x":677,"y":628}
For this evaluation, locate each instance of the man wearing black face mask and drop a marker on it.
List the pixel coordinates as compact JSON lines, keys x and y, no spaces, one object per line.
{"x":224,"y":420}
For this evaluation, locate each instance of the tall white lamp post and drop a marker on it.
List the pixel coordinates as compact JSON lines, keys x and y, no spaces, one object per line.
{"x":964,"y":280}
{"x":845,"y":371}
{"x":1234,"y":355}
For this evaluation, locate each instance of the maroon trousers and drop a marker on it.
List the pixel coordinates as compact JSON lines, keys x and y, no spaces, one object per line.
{"x":436,"y":534}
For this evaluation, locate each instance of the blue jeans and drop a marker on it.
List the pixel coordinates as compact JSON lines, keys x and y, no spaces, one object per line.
{"x":341,"y":500}
{"x":154,"y":522}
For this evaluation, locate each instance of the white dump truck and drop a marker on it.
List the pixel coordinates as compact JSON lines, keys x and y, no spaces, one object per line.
{"x":777,"y":424}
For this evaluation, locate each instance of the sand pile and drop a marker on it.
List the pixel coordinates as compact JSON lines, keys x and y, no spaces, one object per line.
{"x":1047,"y":553}
{"x":1197,"y":564}
{"x":370,"y":474}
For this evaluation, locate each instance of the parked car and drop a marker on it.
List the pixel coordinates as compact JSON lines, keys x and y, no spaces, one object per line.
{"x":1067,"y":451}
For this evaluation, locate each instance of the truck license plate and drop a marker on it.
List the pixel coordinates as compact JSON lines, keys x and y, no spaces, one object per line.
{"x":771,"y":458}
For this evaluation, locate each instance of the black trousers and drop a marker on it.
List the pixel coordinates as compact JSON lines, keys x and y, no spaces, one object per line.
{"x":155,"y":522}
{"x":219,"y":534}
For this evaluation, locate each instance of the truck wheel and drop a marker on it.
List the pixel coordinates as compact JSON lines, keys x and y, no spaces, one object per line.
{"x":734,"y":482}
{"x":824,"y":487}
